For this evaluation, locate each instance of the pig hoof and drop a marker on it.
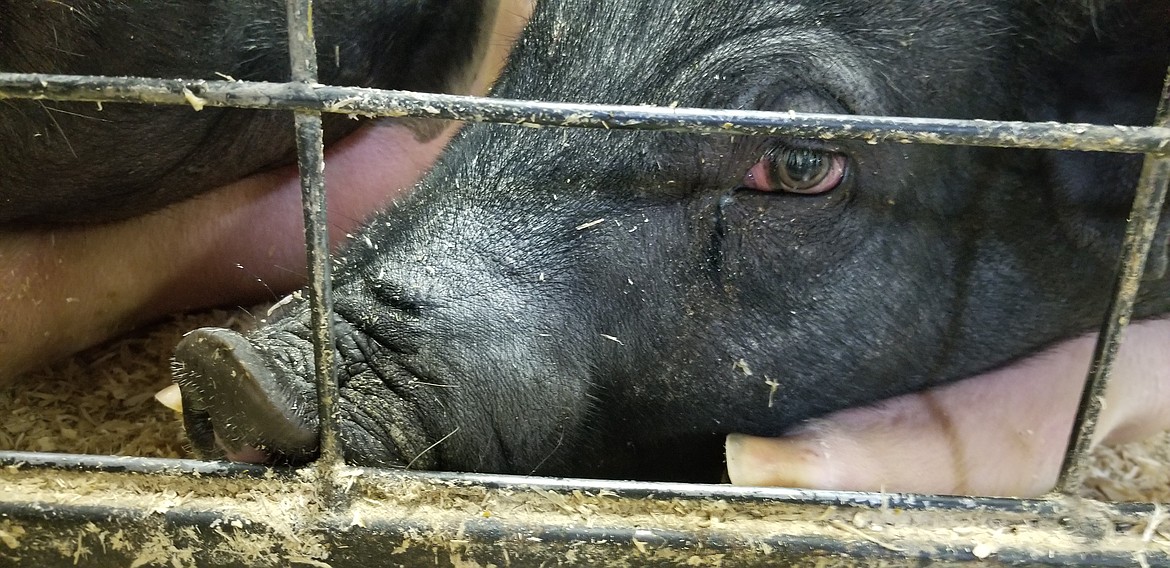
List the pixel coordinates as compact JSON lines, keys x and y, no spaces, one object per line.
{"x":230,"y":395}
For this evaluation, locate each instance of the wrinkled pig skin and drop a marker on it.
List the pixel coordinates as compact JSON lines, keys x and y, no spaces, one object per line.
{"x":66,"y":162}
{"x":608,"y":303}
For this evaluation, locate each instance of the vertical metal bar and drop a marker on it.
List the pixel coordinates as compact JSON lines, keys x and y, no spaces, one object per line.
{"x":1139,"y":235}
{"x":311,"y":161}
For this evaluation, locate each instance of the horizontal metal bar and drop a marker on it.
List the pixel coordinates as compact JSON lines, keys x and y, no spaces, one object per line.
{"x":130,"y":464}
{"x":636,"y":490}
{"x":372,"y":102}
{"x":119,"y":519}
{"x":627,"y":489}
{"x":631,"y":489}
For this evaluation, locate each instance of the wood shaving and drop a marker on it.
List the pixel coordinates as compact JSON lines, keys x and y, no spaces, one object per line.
{"x":101,"y":401}
{"x":1139,"y":471}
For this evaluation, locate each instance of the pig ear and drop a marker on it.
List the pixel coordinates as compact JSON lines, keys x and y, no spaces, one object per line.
{"x":1111,"y":72}
{"x":231,"y":399}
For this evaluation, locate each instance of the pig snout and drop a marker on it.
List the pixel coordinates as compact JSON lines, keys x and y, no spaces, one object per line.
{"x":253,"y":399}
{"x":230,"y":394}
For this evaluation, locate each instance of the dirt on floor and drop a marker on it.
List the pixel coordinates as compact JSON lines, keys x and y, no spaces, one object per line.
{"x":102,"y":402}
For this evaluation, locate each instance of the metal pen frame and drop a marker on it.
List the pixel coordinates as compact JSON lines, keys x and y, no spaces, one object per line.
{"x":124,"y":511}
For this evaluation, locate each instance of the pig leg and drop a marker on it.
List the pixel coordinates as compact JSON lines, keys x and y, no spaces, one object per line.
{"x":1002,"y":433}
{"x":69,"y":288}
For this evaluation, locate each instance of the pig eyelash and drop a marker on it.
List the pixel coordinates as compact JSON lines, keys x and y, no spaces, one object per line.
{"x":796,"y":169}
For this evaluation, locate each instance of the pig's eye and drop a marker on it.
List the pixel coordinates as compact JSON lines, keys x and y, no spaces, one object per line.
{"x":797,"y":170}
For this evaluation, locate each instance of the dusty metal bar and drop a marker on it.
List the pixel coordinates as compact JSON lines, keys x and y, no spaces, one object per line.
{"x":311,"y":162}
{"x":120,"y":519}
{"x":641,"y":490}
{"x":631,"y":490}
{"x":130,"y":464}
{"x":1139,"y":236}
{"x":302,"y":45}
{"x":372,"y":102}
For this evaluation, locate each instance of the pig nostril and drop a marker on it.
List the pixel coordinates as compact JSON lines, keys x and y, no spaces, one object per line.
{"x":234,"y":401}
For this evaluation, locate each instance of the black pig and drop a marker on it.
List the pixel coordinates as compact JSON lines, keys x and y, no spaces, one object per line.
{"x":75,"y":162}
{"x":608,"y":303}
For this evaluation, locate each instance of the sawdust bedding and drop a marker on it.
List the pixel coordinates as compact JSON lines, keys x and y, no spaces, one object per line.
{"x":101,"y":402}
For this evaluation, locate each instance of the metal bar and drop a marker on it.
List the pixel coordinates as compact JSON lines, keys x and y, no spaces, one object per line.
{"x":1139,"y":236}
{"x":311,"y":162}
{"x":129,"y":464}
{"x":372,"y":102}
{"x":631,"y":490}
{"x":642,"y":490}
{"x":410,"y":519}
